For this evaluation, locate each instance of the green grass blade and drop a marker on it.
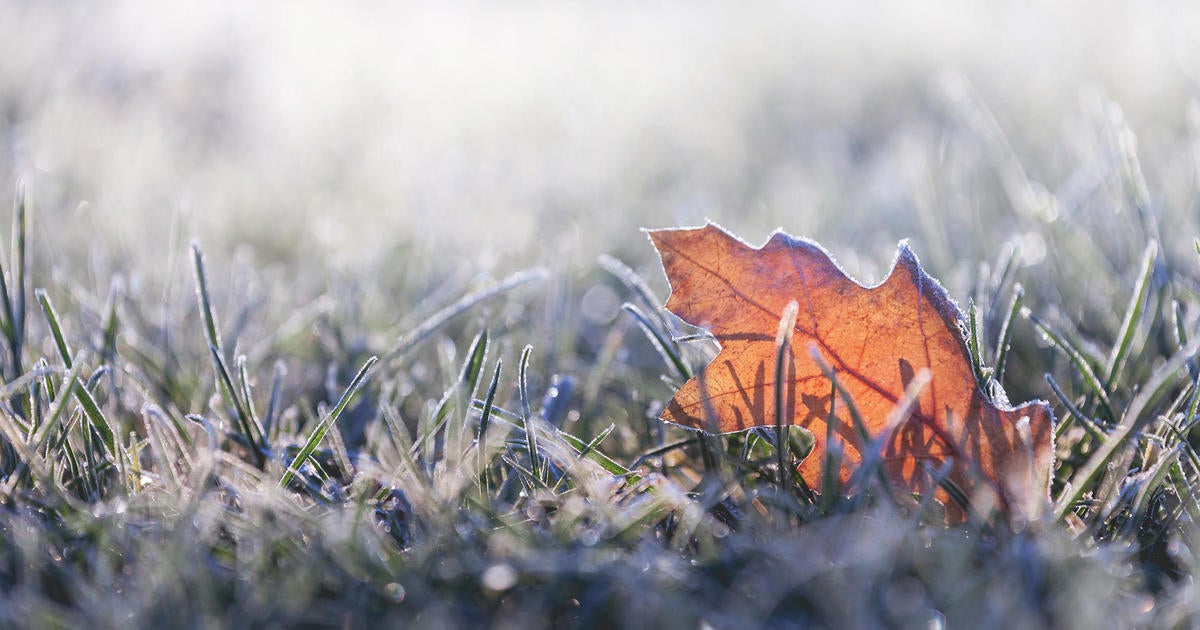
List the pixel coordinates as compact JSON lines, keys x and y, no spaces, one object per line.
{"x":1181,"y":335}
{"x":270,"y":421}
{"x":97,"y":420}
{"x":598,"y":440}
{"x":108,"y":351}
{"x":974,"y":344}
{"x":252,"y":417}
{"x":1000,"y":276}
{"x":12,"y":299}
{"x":1190,"y":418}
{"x":1006,"y":330}
{"x":1074,"y":412}
{"x":535,"y":463}
{"x":588,"y":450}
{"x":211,"y":330}
{"x":604,"y":461}
{"x":20,"y":268}
{"x":1085,"y":369}
{"x":662,"y":450}
{"x":636,"y":284}
{"x":831,"y":471}
{"x":244,"y":387}
{"x":55,"y":328}
{"x":230,"y":394}
{"x":440,"y":318}
{"x":402,"y":441}
{"x":941,"y":477}
{"x":485,"y":418}
{"x":1133,"y":315}
{"x":473,"y":366}
{"x":6,"y":323}
{"x":465,"y":387}
{"x":319,"y":431}
{"x":248,"y":426}
{"x":667,"y":350}
{"x":1186,"y":491}
{"x":489,"y":401}
{"x":1154,"y":478}
{"x":783,"y":353}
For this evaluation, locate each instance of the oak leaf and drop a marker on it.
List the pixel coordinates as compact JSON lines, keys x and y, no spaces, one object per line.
{"x":875,"y":341}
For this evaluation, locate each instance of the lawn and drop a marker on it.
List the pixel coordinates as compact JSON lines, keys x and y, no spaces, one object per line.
{"x":345,"y":317}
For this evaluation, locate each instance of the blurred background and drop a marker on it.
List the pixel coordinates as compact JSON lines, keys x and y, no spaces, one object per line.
{"x":449,"y":140}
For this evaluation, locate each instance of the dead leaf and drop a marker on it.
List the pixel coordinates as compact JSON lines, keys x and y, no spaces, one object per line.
{"x":877,"y":339}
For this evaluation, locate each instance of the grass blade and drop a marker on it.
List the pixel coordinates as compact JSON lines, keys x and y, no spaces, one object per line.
{"x":976,"y":347}
{"x":1088,"y":423}
{"x":1154,"y":477}
{"x":247,"y":424}
{"x":668,"y":351}
{"x":230,"y":394}
{"x":535,"y":464}
{"x":605,"y":462}
{"x":319,"y":431}
{"x":1133,"y":315}
{"x":270,"y":420}
{"x":473,"y":366}
{"x":211,"y":330}
{"x":636,"y":284}
{"x":1085,"y":369}
{"x":108,"y":352}
{"x":20,"y":269}
{"x":485,"y":418}
{"x":12,"y":300}
{"x":96,"y":419}
{"x":783,"y":352}
{"x":439,"y":319}
{"x":831,"y":471}
{"x":55,"y":328}
{"x":1006,"y":329}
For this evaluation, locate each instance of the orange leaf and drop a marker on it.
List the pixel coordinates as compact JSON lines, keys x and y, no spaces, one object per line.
{"x":876,"y":341}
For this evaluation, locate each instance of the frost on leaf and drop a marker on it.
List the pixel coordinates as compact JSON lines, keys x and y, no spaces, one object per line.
{"x":876,"y":340}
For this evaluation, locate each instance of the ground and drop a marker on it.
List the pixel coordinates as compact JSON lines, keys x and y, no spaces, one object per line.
{"x":222,"y":214}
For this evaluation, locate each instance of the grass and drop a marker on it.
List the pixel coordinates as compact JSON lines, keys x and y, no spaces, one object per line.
{"x":295,"y":441}
{"x":143,"y":486}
